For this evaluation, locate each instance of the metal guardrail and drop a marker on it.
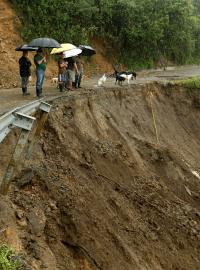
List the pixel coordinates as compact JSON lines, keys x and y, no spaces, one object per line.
{"x":9,"y":119}
{"x":21,"y":118}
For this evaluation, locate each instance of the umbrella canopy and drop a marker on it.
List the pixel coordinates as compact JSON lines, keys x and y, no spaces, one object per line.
{"x":64,"y":47}
{"x":72,"y":52}
{"x":44,"y":43}
{"x":87,"y":50}
{"x":25,"y":47}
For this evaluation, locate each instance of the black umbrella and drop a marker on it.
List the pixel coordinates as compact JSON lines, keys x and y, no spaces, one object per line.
{"x":44,"y":43}
{"x":25,"y":47}
{"x":87,"y":50}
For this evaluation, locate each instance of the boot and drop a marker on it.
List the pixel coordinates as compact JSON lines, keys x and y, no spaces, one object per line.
{"x":40,"y":93}
{"x":37,"y":92}
{"x":26,"y":92}
{"x":61,"y":87}
{"x":23,"y":91}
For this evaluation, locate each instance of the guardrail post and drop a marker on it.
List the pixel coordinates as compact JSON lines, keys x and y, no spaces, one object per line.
{"x":24,"y":122}
{"x":45,"y":109}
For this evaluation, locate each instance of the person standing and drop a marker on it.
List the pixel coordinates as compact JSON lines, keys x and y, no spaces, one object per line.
{"x":79,"y":75}
{"x":62,"y":73}
{"x":40,"y":63}
{"x":71,"y":71}
{"x":25,"y":72}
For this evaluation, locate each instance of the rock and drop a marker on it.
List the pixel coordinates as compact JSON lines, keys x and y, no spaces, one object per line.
{"x":53,"y":205}
{"x":194,"y":232}
{"x":37,"y":221}
{"x":19,"y":214}
{"x":192,"y":223}
{"x":87,"y":157}
{"x":22,"y":223}
{"x":26,"y":178}
{"x":35,"y":249}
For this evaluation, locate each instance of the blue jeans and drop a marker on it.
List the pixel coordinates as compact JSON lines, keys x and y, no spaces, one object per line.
{"x":40,"y":79}
{"x":62,"y":81}
{"x":78,"y":79}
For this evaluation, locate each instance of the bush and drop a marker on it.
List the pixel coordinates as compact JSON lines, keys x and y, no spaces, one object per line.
{"x":193,"y":83}
{"x":8,"y":259}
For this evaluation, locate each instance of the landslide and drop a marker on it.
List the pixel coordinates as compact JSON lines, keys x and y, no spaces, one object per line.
{"x":100,"y":192}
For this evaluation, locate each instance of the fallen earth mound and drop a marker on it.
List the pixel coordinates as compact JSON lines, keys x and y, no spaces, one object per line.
{"x":113,"y":183}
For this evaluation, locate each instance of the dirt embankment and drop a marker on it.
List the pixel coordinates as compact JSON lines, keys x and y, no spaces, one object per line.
{"x":9,"y":39}
{"x":100,"y":193}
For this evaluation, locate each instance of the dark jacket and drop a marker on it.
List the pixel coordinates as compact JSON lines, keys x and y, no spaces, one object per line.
{"x":24,"y":66}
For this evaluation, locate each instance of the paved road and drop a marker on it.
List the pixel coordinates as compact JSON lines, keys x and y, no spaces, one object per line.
{"x":12,"y":98}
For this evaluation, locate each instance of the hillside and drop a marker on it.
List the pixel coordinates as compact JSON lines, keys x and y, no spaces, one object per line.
{"x":99,"y":192}
{"x":9,"y":38}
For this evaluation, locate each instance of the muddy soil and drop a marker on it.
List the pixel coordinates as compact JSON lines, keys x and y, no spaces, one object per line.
{"x":12,"y":97}
{"x":102,"y":191}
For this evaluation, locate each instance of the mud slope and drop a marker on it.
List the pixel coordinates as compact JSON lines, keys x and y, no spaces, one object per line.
{"x":100,"y":193}
{"x":9,"y":39}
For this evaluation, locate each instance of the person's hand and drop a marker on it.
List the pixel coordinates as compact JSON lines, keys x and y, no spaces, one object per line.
{"x":45,"y":57}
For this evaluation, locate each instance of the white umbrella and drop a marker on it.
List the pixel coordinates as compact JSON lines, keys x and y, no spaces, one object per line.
{"x":72,"y":52}
{"x":64,"y":47}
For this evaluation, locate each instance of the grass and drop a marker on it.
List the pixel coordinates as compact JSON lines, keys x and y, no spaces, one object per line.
{"x":8,"y":259}
{"x":193,"y":83}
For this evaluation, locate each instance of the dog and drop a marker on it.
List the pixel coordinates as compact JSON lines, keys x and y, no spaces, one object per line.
{"x":123,"y":75}
{"x":134,"y":74}
{"x":118,"y":78}
{"x":102,"y":80}
{"x":127,"y":76}
{"x":54,"y":80}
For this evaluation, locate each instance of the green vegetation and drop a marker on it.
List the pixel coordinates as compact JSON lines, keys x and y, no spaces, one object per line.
{"x":8,"y":260}
{"x":193,"y":83}
{"x":141,"y":32}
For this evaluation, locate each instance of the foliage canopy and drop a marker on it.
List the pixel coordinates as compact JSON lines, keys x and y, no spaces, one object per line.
{"x":141,"y":31}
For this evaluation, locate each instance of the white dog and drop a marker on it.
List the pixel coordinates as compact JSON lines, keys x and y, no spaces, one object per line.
{"x":128,"y":77}
{"x":102,"y":80}
{"x":54,"y":80}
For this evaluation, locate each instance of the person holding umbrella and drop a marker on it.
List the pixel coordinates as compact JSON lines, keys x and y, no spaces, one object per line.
{"x":25,"y":72}
{"x":40,"y":61}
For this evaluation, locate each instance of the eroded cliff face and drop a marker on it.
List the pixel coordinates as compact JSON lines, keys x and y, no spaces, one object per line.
{"x":100,"y":192}
{"x":9,"y":40}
